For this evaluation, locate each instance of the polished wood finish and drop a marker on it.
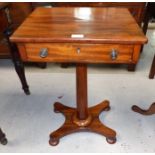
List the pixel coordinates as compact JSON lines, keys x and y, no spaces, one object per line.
{"x":102,"y":21}
{"x":19,"y":11}
{"x":81,"y":91}
{"x":3,"y":139}
{"x":106,"y":34}
{"x":73,"y":124}
{"x":137,"y":9}
{"x":94,"y":53}
{"x":82,"y":118}
{"x":44,"y":37}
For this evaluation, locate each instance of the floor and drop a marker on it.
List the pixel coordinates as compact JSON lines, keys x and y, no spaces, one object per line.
{"x":28,"y":120}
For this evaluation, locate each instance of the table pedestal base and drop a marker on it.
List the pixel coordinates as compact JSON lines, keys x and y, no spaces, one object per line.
{"x":72,"y":124}
{"x":150,"y":111}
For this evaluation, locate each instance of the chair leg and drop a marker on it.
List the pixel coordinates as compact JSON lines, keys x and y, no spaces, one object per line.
{"x":3,"y":139}
{"x":152,"y":70}
{"x":18,"y":64}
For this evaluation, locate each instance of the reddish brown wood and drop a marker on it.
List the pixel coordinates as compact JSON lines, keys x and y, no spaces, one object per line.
{"x":23,"y":53}
{"x":70,"y":127}
{"x":82,"y":118}
{"x":81,"y":91}
{"x":67,"y":52}
{"x":124,"y":30}
{"x":44,"y":31}
{"x":19,"y":11}
{"x":149,"y":111}
{"x":137,"y":9}
{"x":135,"y":57}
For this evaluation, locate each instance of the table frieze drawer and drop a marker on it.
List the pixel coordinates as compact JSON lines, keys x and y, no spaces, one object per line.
{"x":94,"y":53}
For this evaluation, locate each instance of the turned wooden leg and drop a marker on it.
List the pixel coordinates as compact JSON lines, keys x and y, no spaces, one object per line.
{"x":3,"y":139}
{"x":82,"y":118}
{"x":149,"y":111}
{"x":19,"y":67}
{"x":152,"y":70}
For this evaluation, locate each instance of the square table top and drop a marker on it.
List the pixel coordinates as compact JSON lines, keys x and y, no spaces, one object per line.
{"x":89,"y":25}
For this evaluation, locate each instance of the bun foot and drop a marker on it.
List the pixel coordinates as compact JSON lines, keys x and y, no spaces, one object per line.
{"x":53,"y":141}
{"x":111,"y":140}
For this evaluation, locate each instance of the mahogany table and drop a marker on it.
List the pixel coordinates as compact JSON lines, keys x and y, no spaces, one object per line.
{"x":80,"y":36}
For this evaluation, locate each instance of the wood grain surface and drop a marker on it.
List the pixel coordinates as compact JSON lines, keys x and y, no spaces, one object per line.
{"x":98,"y":25}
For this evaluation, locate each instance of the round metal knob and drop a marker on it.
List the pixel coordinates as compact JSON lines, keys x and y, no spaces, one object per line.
{"x":43,"y":52}
{"x":113,"y":54}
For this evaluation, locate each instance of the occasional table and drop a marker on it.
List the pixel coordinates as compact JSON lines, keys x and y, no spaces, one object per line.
{"x":81,"y":36}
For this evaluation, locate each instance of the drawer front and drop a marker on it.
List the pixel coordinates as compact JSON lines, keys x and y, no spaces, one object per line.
{"x":93,"y":53}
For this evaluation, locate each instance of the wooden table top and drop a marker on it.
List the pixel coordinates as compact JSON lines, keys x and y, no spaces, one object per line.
{"x":97,"y":25}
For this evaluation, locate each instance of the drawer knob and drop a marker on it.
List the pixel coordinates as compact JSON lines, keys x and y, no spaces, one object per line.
{"x":114,"y":54}
{"x":43,"y":52}
{"x":78,"y":50}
